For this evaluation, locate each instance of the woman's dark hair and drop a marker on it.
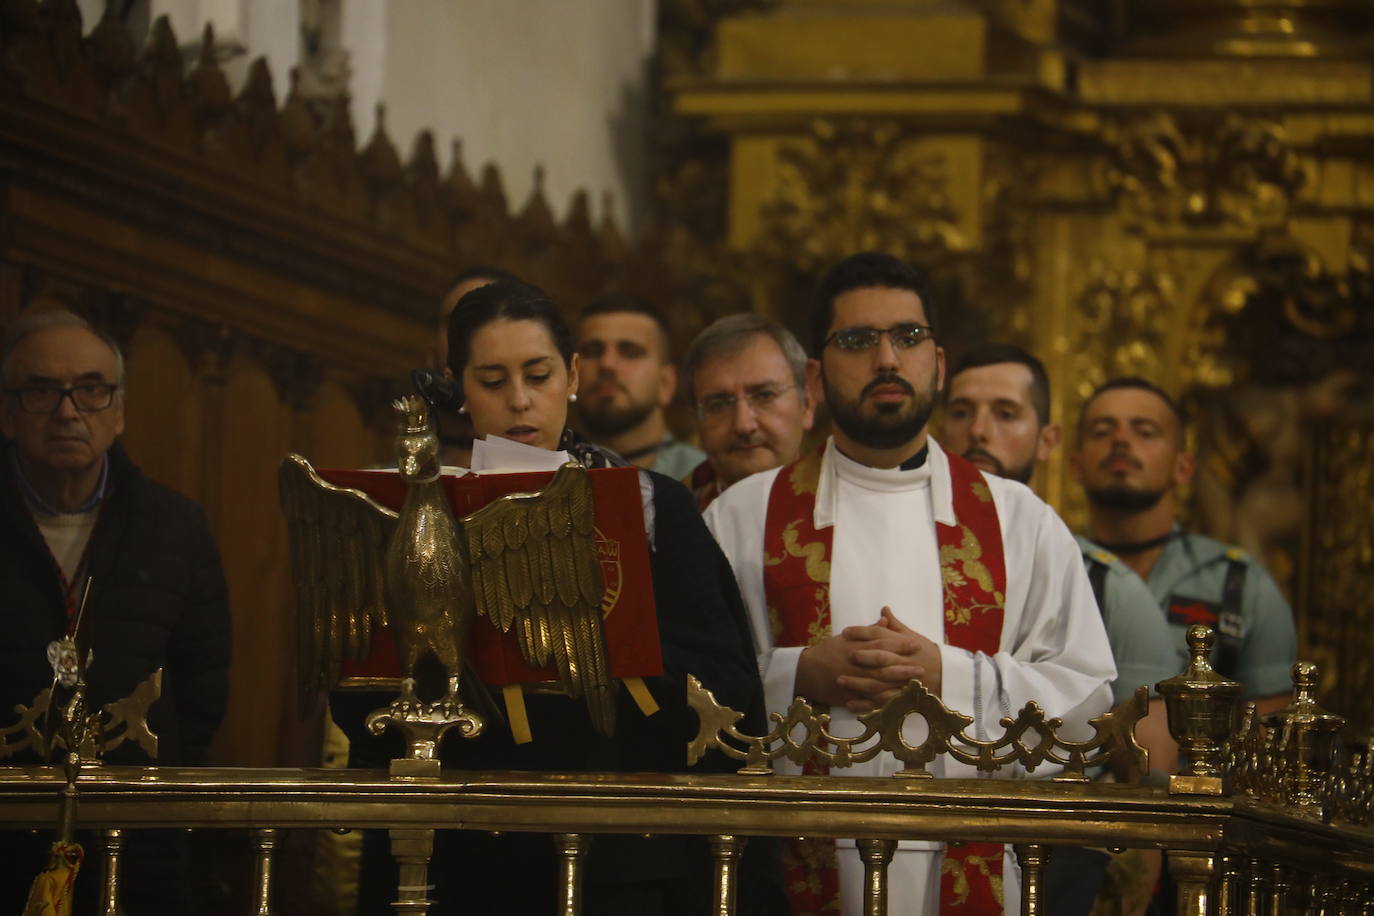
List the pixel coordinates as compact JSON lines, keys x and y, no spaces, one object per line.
{"x":511,"y":300}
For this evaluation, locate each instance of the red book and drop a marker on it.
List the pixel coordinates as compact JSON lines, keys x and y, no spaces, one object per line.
{"x":627,"y":607}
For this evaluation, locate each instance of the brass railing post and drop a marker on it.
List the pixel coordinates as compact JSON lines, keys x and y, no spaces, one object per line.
{"x":110,"y":867}
{"x":1228,"y":887}
{"x":877,"y":856}
{"x":1340,"y":896}
{"x":1032,"y":858}
{"x":1324,"y":896}
{"x":1278,"y":889}
{"x":412,"y":850}
{"x":571,"y":849}
{"x":1256,"y":880}
{"x":1193,"y":872}
{"x":725,"y":851}
{"x":265,"y":839}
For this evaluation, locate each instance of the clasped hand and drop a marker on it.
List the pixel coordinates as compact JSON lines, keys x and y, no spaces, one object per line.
{"x":864,"y":667}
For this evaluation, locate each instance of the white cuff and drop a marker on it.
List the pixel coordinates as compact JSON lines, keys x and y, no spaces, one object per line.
{"x":959,"y":670}
{"x":779,"y":670}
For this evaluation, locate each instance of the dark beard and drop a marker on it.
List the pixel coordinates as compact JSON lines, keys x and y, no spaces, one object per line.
{"x":607,"y":422}
{"x":1021,"y":474}
{"x":892,"y":426}
{"x":1124,"y":499}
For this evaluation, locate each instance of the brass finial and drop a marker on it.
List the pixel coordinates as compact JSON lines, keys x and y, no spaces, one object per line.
{"x":1202,"y":709}
{"x":1304,"y":679}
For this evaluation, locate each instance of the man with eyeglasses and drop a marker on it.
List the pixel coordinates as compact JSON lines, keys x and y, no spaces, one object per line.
{"x":881,"y":558}
{"x":746,"y":377}
{"x":72,"y":507}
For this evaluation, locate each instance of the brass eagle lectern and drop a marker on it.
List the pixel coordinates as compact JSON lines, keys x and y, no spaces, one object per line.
{"x":525,"y":561}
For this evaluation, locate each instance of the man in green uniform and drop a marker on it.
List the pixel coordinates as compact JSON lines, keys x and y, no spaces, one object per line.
{"x":1130,"y":460}
{"x":997,"y":416}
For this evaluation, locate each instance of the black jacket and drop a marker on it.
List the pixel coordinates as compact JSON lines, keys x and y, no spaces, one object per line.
{"x":159,"y":600}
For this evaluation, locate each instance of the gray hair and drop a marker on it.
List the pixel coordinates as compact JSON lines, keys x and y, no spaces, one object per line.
{"x":37,"y":320}
{"x":729,"y":336}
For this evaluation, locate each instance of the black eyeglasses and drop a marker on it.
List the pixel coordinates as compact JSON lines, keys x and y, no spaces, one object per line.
{"x":88,"y":398}
{"x":903,"y":336}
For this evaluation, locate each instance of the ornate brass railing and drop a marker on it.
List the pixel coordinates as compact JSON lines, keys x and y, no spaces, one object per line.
{"x":1287,"y":830}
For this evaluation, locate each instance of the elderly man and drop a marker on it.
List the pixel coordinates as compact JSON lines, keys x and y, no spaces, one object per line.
{"x":746,"y":376}
{"x":73,"y":507}
{"x":854,"y":562}
{"x":628,"y":381}
{"x":997,"y":415}
{"x":1130,"y":460}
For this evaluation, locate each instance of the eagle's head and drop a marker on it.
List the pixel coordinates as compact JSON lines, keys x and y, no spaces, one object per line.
{"x":417,"y":446}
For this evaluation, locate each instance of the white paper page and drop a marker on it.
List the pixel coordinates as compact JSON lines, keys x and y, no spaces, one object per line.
{"x":495,"y":455}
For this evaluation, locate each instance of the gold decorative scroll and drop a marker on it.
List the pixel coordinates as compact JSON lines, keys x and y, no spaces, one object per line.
{"x":98,"y":737}
{"x":1030,"y":739}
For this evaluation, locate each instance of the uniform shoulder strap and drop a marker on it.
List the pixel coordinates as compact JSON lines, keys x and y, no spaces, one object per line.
{"x":1097,"y":578}
{"x":1099,"y":564}
{"x":1227,"y":656}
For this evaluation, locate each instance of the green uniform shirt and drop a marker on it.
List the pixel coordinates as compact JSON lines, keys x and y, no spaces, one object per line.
{"x":1256,"y":641}
{"x":677,"y":459}
{"x":1145,"y":650}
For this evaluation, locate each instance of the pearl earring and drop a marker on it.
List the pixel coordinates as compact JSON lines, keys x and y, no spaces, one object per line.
{"x":572,"y":398}
{"x":462,"y":408}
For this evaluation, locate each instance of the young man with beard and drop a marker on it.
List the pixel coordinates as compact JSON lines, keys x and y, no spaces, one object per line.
{"x":1130,"y":459}
{"x":880,"y":558}
{"x":629,"y":381}
{"x":997,"y":411}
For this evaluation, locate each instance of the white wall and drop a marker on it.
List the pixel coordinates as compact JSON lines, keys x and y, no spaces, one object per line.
{"x":522,"y":83}
{"x":562,"y":83}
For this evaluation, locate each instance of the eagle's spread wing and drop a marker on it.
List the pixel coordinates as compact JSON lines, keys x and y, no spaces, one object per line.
{"x":534,"y":567}
{"x":338,"y":551}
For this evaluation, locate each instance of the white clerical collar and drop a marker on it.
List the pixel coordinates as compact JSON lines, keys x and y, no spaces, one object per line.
{"x":933,"y":473}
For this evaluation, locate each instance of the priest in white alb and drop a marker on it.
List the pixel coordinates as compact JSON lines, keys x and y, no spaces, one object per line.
{"x":881,"y":558}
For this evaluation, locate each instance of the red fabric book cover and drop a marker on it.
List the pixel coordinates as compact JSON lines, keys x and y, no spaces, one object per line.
{"x":627,"y":607}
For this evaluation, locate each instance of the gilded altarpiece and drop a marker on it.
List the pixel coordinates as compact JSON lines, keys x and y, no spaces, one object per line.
{"x":1182,"y":191}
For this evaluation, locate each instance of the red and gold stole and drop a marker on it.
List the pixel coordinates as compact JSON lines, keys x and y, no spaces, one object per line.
{"x":796,"y":579}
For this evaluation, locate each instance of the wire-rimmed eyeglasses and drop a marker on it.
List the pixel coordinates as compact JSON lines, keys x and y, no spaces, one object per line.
{"x":759,"y":397}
